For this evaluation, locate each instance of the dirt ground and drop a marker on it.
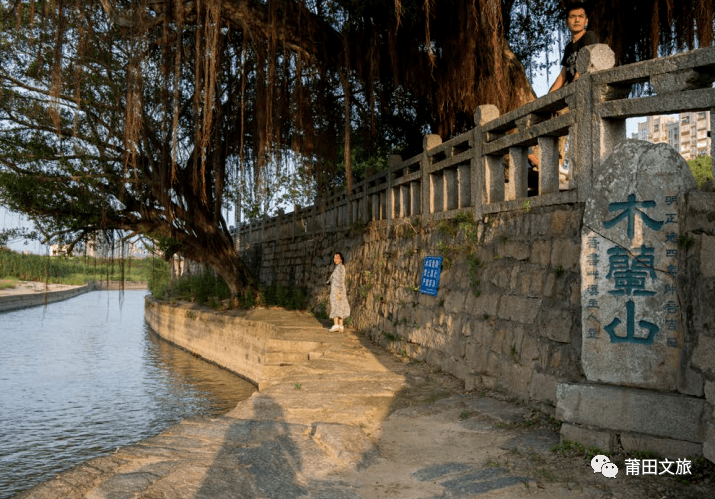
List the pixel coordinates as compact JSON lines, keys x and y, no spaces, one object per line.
{"x":486,"y":430}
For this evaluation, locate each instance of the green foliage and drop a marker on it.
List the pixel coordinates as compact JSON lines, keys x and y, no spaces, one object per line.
{"x":321,"y":310}
{"x":195,"y":288}
{"x":251,"y":298}
{"x":77,"y":270}
{"x":8,"y":283}
{"x":514,"y":354}
{"x":159,"y":279}
{"x":390,"y":336}
{"x":290,"y":298}
{"x":685,"y":241}
{"x":702,"y":169}
{"x":475,"y":264}
{"x":464,"y":217}
{"x":447,"y":227}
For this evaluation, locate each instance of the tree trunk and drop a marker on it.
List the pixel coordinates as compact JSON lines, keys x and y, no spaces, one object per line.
{"x":219,"y":253}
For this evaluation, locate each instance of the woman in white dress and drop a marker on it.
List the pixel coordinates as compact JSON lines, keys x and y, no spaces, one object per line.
{"x":339,"y":306}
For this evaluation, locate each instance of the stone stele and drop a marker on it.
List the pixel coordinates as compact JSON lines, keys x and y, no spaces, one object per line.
{"x":632,"y":332}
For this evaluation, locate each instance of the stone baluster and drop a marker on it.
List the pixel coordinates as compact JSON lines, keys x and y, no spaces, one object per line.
{"x":375,"y":202}
{"x":487,"y":171}
{"x":548,"y":165}
{"x":394,"y":206}
{"x":591,"y":139}
{"x":494,"y":178}
{"x":464,"y":186}
{"x":450,"y":181}
{"x":428,"y":143}
{"x":415,"y":198}
{"x":518,"y":170}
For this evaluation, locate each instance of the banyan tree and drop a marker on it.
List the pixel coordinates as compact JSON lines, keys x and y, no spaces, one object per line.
{"x":149,"y":116}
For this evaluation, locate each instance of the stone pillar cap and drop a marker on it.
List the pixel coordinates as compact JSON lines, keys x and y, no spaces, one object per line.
{"x":595,"y":58}
{"x":431,"y":141}
{"x":485,"y":113}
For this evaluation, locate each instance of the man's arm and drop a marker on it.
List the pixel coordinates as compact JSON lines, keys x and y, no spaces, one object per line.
{"x":559,"y":81}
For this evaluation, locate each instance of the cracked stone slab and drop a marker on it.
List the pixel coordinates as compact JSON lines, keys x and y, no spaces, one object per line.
{"x":632,"y":332}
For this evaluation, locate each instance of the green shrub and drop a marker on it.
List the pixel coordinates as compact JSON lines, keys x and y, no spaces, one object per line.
{"x":290,"y":298}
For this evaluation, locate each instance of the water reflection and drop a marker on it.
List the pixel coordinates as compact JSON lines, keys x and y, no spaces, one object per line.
{"x":82,"y":377}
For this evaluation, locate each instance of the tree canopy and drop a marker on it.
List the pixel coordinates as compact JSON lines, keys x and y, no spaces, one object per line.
{"x":149,"y":116}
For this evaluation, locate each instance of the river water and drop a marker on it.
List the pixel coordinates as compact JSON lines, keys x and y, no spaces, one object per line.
{"x":81,"y":377}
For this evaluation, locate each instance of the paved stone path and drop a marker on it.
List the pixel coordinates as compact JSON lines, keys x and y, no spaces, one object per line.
{"x":352,"y":422}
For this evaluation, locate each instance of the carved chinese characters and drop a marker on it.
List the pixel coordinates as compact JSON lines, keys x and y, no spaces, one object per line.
{"x":631,"y":317}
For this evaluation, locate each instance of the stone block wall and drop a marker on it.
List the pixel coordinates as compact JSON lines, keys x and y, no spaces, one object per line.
{"x":678,"y":423}
{"x":507,"y":314}
{"x":699,"y":290}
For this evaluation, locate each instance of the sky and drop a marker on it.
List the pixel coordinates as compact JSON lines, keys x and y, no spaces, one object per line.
{"x":9,"y":220}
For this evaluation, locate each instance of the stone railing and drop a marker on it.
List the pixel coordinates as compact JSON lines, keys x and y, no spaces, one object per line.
{"x":468,"y":171}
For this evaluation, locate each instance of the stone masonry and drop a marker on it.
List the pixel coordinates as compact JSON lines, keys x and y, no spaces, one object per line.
{"x":510,"y":310}
{"x":507,"y":312}
{"x":507,"y":315}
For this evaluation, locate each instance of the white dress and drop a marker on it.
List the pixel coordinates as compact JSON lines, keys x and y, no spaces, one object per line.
{"x":339,"y":306}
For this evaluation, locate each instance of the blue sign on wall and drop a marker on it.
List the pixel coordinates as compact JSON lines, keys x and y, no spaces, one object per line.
{"x":430,"y":275}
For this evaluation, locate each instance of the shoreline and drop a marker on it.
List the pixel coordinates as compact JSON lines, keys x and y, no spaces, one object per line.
{"x":337,"y":416}
{"x":27,"y":294}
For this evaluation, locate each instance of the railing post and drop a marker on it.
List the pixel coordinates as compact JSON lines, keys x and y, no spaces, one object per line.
{"x":478,"y":164}
{"x":591,"y":138}
{"x":484,"y":168}
{"x":428,"y":143}
{"x":548,"y":165}
{"x":393,"y":202}
{"x":518,"y":173}
{"x":464,"y":180}
{"x":415,"y":199}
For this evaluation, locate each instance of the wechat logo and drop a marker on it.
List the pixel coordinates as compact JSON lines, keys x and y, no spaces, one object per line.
{"x":601,"y":464}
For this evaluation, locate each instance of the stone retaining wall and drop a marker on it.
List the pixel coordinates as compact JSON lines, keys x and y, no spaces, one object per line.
{"x":34,"y":299}
{"x":117,"y":285}
{"x":243,"y":342}
{"x":507,"y":313}
{"x":230,"y":342}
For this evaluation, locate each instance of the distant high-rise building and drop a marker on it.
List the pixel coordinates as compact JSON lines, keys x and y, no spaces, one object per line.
{"x":688,"y":133}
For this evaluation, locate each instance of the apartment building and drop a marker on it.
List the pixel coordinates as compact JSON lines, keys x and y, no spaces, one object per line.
{"x":687,"y":133}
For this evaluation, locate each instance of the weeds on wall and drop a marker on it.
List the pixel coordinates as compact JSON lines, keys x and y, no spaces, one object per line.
{"x":475,"y":265}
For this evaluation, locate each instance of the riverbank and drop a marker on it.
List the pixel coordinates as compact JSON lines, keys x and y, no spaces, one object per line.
{"x":27,"y":294}
{"x":339,"y":417}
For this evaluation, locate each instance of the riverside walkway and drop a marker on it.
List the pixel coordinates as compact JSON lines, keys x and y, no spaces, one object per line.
{"x":339,"y":417}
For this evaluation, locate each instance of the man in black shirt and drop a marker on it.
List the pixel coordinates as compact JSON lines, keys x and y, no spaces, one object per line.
{"x":576,"y":21}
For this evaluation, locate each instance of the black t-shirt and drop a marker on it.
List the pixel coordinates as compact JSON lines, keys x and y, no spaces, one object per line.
{"x":571,"y":52}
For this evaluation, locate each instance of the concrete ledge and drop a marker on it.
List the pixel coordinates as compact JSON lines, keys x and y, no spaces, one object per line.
{"x":20,"y":300}
{"x":117,"y":285}
{"x":238,"y":341}
{"x":657,"y":414}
